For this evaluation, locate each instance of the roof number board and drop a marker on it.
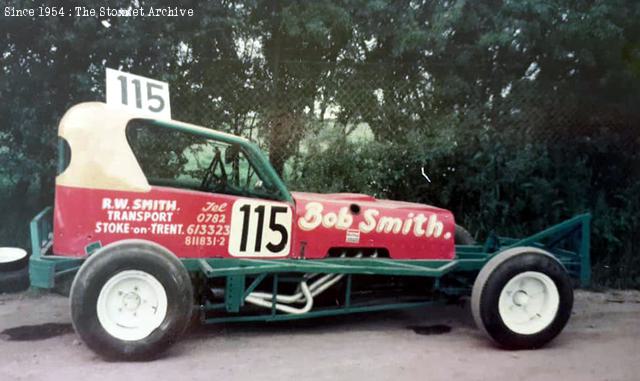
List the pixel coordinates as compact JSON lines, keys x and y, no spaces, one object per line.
{"x":143,"y":95}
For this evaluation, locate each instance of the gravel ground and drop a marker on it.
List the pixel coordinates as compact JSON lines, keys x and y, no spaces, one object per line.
{"x":601,"y":342}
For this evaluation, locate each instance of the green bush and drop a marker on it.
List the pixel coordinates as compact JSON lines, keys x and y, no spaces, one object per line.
{"x":513,"y":183}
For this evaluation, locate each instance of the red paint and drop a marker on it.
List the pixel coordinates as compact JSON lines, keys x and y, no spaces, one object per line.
{"x":400,"y":246}
{"x":78,"y":210}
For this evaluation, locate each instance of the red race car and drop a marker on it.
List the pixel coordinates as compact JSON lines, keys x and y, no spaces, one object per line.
{"x":159,"y":221}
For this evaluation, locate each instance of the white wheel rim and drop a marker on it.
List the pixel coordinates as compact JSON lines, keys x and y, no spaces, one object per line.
{"x":11,"y":254}
{"x":131,"y":305}
{"x":529,"y":302}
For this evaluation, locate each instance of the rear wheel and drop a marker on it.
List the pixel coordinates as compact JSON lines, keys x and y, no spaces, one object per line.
{"x":131,"y":300}
{"x":522,"y":298}
{"x":463,"y":237}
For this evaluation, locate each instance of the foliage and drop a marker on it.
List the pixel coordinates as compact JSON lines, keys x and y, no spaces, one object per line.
{"x":522,"y":113}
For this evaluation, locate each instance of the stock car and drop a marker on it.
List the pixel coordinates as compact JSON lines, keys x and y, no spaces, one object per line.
{"x":158,"y":223}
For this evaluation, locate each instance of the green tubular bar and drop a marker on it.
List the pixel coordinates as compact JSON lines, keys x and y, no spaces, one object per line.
{"x":218,"y":267}
{"x":322,"y":312}
{"x":469,"y":258}
{"x":578,"y":228}
{"x":44,"y":269}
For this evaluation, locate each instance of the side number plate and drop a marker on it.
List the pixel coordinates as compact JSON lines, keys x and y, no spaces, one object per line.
{"x":260,"y":229}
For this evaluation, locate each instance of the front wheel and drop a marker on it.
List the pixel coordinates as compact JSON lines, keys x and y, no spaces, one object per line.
{"x":131,"y":300}
{"x":522,"y":298}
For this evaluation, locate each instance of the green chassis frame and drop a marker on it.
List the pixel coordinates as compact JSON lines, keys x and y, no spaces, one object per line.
{"x":569,"y":241}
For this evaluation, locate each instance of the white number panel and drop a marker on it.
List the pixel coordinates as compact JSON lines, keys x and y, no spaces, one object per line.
{"x":144,"y":95}
{"x":260,"y":229}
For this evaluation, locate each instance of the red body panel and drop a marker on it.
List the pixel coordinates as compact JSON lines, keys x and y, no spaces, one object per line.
{"x":406,"y":230}
{"x":195,"y":224}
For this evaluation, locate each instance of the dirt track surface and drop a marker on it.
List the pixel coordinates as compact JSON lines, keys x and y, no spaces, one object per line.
{"x":601,"y":342}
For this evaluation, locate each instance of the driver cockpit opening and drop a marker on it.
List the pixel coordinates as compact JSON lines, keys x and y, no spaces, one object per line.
{"x":177,"y":158}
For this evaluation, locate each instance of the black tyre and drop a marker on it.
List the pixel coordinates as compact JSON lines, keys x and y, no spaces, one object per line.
{"x":14,"y":281}
{"x":522,"y":298}
{"x":131,"y":300}
{"x":463,"y":237}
